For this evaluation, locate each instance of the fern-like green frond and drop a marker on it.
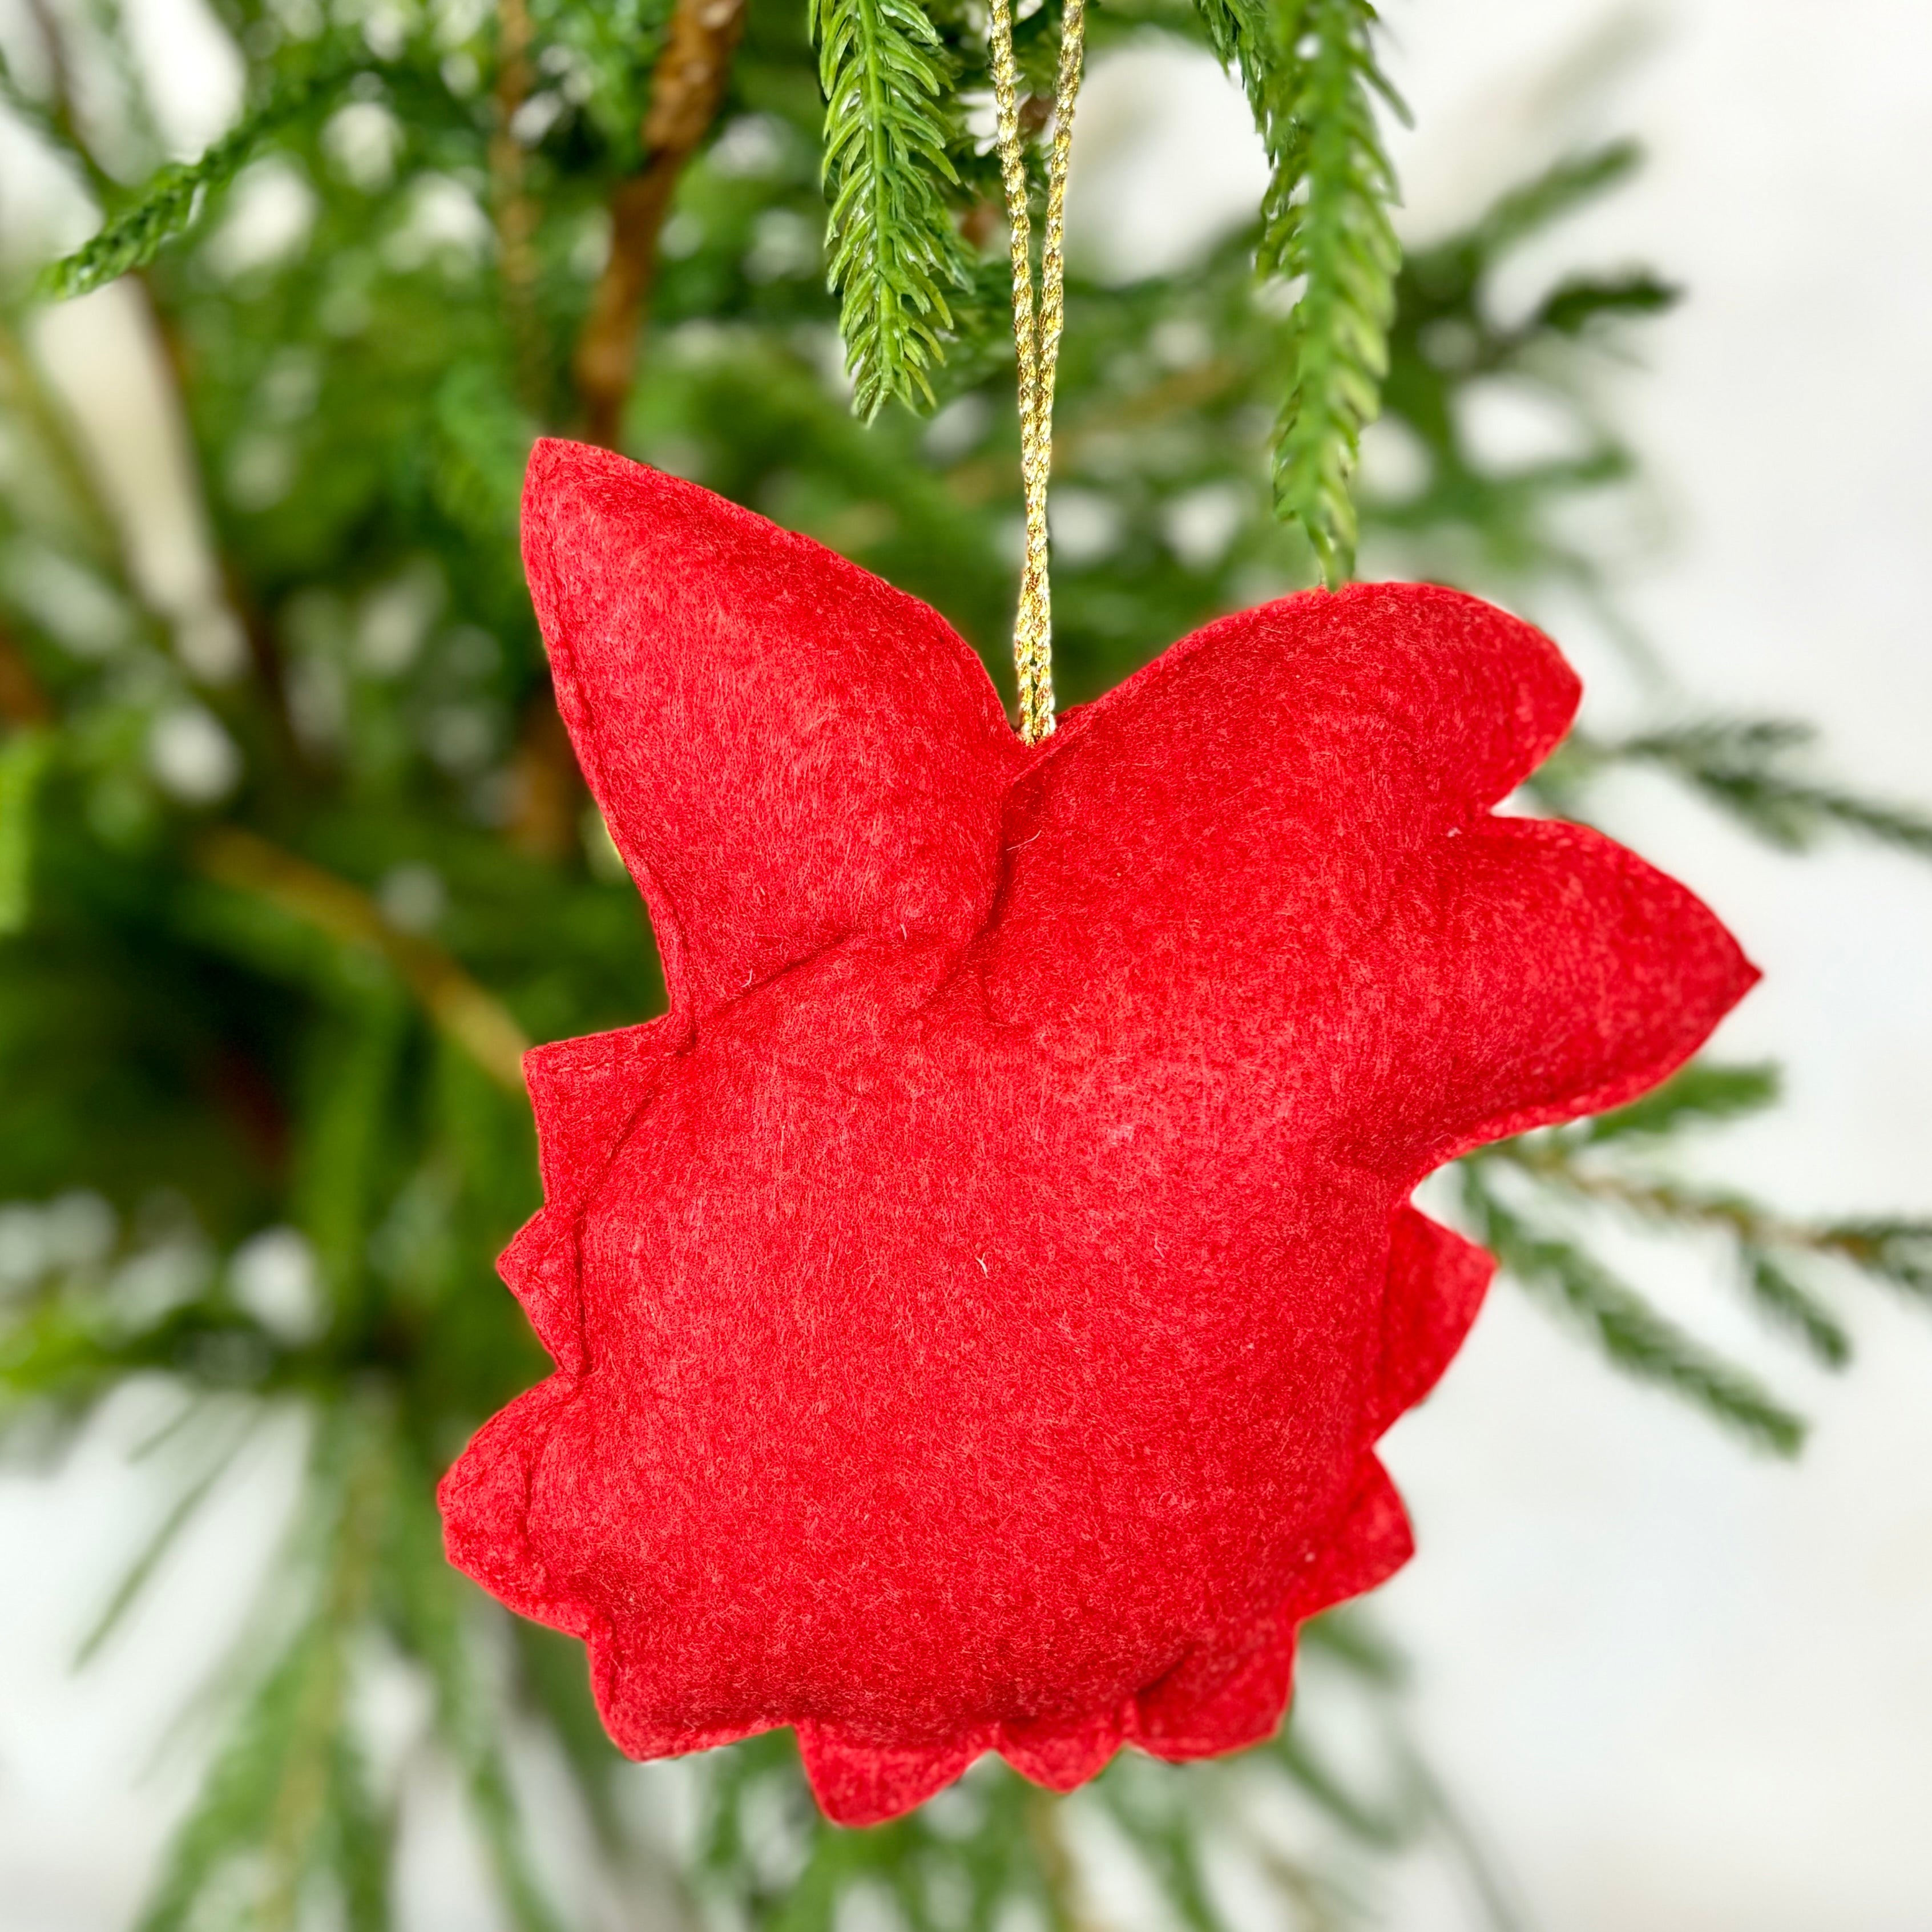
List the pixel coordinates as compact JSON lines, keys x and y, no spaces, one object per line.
{"x":1325,"y":220}
{"x":1749,"y":769}
{"x":1785,"y":1301}
{"x":1237,"y":31}
{"x":175,"y":194}
{"x":1631,"y":1334}
{"x":894,"y":252}
{"x":1705,"y":1091}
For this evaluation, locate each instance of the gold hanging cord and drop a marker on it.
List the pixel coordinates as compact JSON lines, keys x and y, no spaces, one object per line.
{"x":1035,"y":341}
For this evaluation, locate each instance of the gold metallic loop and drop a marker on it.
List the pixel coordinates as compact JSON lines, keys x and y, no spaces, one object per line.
{"x":1036,"y":340}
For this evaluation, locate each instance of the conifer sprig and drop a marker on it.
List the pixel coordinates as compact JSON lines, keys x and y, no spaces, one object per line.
{"x":1522,"y":1195}
{"x":1325,"y":220}
{"x":1749,"y":769}
{"x":1237,"y":31}
{"x":894,"y":253}
{"x":1633,"y":1335}
{"x":173,"y":195}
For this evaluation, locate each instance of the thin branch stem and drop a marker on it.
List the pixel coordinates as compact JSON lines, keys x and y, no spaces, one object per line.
{"x":687,"y":89}
{"x":476,"y":1021}
{"x":1749,"y":1224}
{"x":514,"y":207}
{"x":22,"y":702}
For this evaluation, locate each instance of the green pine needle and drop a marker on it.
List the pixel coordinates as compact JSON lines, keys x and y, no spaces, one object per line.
{"x":175,"y":195}
{"x":1793,"y":1307}
{"x":1632,"y":1334}
{"x":24,"y":760}
{"x":1237,"y":31}
{"x":1897,"y":1252}
{"x":1560,"y":189}
{"x":1747,"y":768}
{"x":1702,"y":1091}
{"x":1325,"y":219}
{"x":894,"y":251}
{"x":138,"y":1574}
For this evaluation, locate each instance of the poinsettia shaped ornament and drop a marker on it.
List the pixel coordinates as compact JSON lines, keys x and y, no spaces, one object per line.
{"x":975,"y":1303}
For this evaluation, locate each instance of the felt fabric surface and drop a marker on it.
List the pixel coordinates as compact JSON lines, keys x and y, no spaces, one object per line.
{"x":976,"y":1302}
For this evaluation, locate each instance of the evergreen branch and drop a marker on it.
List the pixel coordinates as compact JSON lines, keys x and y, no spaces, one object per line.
{"x":1896,"y":1251}
{"x":1705,"y":1091}
{"x":361,"y":1840}
{"x":475,"y":1019}
{"x":167,"y":1532}
{"x":1559,"y":190}
{"x":1579,"y":301}
{"x":429,"y":1600}
{"x":1795,"y":1308}
{"x":1384,"y":1826}
{"x":894,"y":250}
{"x":1238,"y":30}
{"x":1059,"y":1871}
{"x":1344,"y":1635}
{"x":173,"y":195}
{"x":1325,"y":219}
{"x":56,"y":445}
{"x":687,"y":89}
{"x":515,"y":209}
{"x":52,"y":121}
{"x":1552,"y":1158}
{"x":1487,"y":1880}
{"x":269,"y":1799}
{"x":1744,"y":766}
{"x":1631,"y":1334}
{"x":68,"y":1353}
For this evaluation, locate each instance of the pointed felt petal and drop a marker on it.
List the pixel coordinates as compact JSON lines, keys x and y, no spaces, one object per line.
{"x":1062,"y":1753}
{"x":1205,"y":845}
{"x":1210,"y":1703}
{"x":1368,"y":703}
{"x":585,"y":1093}
{"x":1436,"y":1283}
{"x":637,"y":1731}
{"x":1370,"y":1542}
{"x":865,"y":1784}
{"x":485,"y":1498}
{"x":541,"y":1268}
{"x":789,"y":752}
{"x":1581,"y":977}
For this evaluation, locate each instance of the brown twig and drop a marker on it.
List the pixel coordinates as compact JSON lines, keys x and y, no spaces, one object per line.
{"x":1744,"y":1221}
{"x":687,"y":87}
{"x":475,"y":1019}
{"x":61,"y":120}
{"x":22,"y":702}
{"x":515,"y":207}
{"x":548,"y":796}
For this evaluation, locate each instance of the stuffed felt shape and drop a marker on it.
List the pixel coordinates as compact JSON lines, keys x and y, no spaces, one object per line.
{"x":976,"y":1301}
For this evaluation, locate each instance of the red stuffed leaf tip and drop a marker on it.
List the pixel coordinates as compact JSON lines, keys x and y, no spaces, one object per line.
{"x":977,"y":1303}
{"x":788,"y":752}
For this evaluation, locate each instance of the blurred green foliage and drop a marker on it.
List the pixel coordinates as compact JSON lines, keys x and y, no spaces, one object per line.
{"x":291,"y":866}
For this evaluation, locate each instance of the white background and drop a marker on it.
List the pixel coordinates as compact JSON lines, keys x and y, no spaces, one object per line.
{"x":1682,"y":1689}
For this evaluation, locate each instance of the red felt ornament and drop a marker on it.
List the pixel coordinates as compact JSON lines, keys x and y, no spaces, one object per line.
{"x":976,"y":1302}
